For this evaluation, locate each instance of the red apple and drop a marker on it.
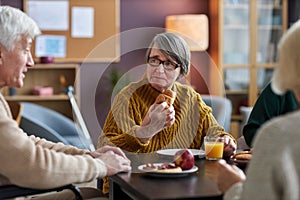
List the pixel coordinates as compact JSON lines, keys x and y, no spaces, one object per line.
{"x":184,"y":159}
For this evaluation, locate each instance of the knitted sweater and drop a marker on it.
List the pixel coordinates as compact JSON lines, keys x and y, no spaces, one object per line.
{"x":192,"y":119}
{"x":37,"y":163}
{"x":267,"y":106}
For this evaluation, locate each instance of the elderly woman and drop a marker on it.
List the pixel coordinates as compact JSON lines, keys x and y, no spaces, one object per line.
{"x":30,"y":161}
{"x":136,"y":123}
{"x":274,"y":170}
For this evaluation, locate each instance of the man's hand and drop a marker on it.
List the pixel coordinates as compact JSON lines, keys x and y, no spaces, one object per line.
{"x":114,"y":159}
{"x":228,"y":175}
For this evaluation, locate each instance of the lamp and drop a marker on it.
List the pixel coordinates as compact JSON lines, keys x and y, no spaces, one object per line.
{"x":192,"y":27}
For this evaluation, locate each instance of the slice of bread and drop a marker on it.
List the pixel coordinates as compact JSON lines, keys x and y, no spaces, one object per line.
{"x":168,"y":96}
{"x":243,"y":155}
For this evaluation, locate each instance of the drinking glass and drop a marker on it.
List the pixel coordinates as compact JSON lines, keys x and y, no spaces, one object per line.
{"x":213,"y":146}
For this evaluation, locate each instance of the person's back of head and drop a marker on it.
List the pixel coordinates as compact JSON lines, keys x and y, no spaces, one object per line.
{"x":13,"y":24}
{"x":287,"y":74}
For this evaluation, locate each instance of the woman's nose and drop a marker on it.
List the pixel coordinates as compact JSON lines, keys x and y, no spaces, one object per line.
{"x":161,"y":68}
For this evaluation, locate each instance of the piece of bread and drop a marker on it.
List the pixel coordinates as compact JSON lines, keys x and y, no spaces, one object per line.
{"x":246,"y":156}
{"x":243,"y":155}
{"x":168,"y":96}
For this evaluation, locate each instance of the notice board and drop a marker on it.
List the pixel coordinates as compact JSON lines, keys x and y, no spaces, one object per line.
{"x":103,"y":46}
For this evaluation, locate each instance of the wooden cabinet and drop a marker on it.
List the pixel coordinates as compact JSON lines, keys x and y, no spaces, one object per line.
{"x":244,"y":37}
{"x":57,"y":76}
{"x":248,"y":32}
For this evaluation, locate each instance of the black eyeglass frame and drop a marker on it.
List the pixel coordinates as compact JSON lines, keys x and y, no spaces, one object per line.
{"x":175,"y":65}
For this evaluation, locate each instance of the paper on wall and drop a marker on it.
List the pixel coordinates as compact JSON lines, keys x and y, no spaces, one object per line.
{"x":50,"y":45}
{"x":82,"y":22}
{"x":49,"y":15}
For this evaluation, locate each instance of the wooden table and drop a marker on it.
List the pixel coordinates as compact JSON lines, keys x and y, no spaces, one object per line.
{"x":140,"y":186}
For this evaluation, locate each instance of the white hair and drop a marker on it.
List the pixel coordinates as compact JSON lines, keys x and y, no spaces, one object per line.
{"x":287,"y":73}
{"x":13,"y":24}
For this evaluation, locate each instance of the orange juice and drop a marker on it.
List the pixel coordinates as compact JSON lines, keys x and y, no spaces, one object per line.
{"x":213,"y":150}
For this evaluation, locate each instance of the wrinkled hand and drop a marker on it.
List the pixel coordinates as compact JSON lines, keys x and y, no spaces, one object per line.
{"x":228,"y":175}
{"x":114,"y":158}
{"x":229,"y":146}
{"x":106,"y":148}
{"x":161,"y":116}
{"x":158,"y":117}
{"x":159,"y":113}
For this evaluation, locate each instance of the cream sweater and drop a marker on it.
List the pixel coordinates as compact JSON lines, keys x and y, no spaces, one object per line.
{"x":274,"y":170}
{"x":37,"y":163}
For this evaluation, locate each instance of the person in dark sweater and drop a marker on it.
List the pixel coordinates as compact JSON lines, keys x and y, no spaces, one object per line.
{"x":267,"y":106}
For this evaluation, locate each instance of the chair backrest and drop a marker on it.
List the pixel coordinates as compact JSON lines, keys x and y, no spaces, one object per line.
{"x":245,"y":112}
{"x":51,"y":125}
{"x":221,"y":108}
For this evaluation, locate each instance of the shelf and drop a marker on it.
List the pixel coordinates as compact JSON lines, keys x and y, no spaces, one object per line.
{"x":243,"y":27}
{"x":53,"y":66}
{"x":266,"y":65}
{"x":270,"y":27}
{"x":57,"y":76}
{"x":239,"y":66}
{"x":236,"y":6}
{"x":236,"y":27}
{"x":269,"y":6}
{"x":58,"y":97}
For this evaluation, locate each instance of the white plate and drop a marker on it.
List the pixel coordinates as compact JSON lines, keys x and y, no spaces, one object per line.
{"x":167,"y":174}
{"x":171,"y":152}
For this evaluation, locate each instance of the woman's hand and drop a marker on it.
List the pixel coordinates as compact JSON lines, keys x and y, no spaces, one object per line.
{"x":161,"y":116}
{"x":228,"y":175}
{"x":229,"y":146}
{"x":158,"y":117}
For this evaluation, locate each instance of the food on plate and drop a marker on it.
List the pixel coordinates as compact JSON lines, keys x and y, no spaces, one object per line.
{"x":166,"y":96}
{"x":243,"y":155}
{"x":164,"y":167}
{"x":184,"y":159}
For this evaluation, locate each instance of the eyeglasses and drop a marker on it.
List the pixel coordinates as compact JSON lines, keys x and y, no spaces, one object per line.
{"x":168,"y":65}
